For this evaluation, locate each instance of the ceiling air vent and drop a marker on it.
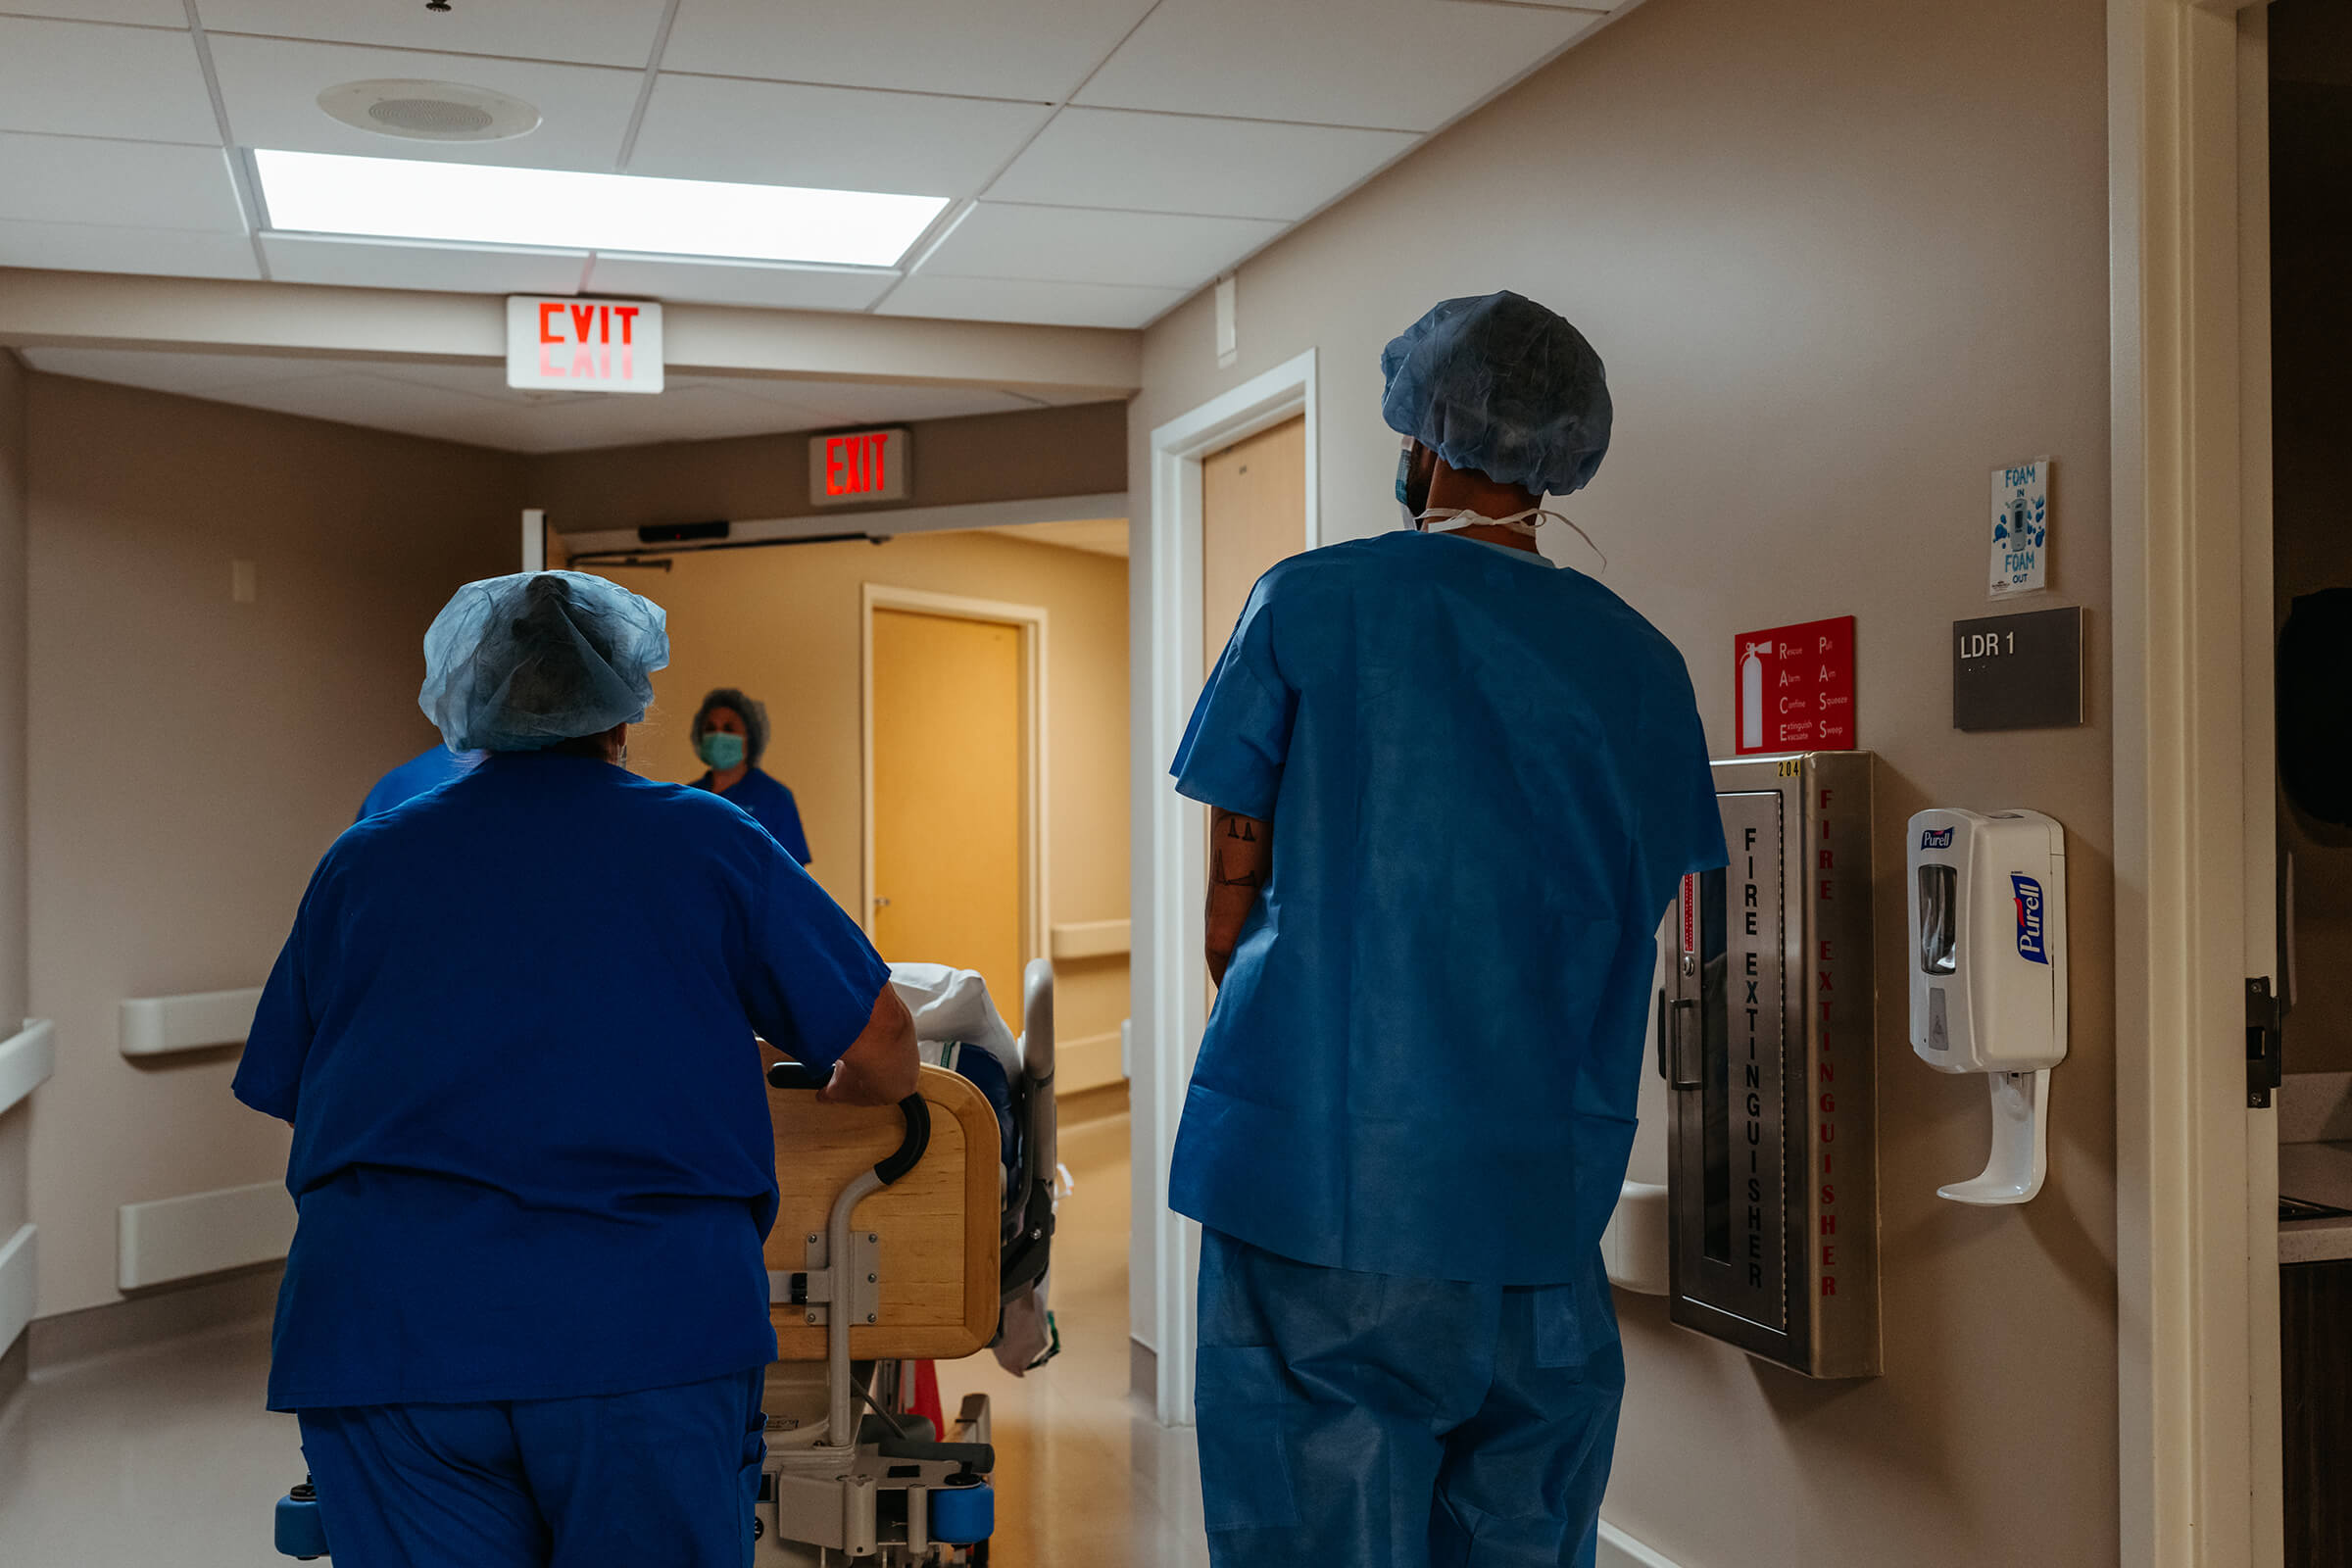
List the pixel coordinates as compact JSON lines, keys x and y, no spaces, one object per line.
{"x":429,"y":110}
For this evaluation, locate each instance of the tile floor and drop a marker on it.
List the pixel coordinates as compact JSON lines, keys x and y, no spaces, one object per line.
{"x":164,"y":1456}
{"x":1086,"y":1477}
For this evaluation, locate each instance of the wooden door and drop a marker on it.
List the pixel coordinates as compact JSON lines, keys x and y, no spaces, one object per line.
{"x":1252,"y":515}
{"x":947,"y":792}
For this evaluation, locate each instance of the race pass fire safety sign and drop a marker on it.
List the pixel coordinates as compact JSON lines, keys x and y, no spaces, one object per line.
{"x":555,"y":343}
{"x":853,"y":465}
{"x":1795,"y":687}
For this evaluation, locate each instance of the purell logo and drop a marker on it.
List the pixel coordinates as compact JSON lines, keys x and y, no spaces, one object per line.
{"x":1935,"y":838}
{"x":2031,"y":944}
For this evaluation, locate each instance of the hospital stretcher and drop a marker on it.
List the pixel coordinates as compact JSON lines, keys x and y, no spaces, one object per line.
{"x":901,"y":1234}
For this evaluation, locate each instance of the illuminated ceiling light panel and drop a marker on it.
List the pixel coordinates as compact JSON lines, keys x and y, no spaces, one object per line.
{"x":394,"y":198}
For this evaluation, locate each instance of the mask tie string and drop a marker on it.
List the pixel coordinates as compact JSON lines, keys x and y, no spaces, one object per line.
{"x":1433,"y":520}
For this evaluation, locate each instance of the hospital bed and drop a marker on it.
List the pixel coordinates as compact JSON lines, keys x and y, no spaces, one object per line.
{"x":910,"y":1233}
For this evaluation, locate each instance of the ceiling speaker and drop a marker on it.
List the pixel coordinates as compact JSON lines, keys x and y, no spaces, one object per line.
{"x":429,"y":110}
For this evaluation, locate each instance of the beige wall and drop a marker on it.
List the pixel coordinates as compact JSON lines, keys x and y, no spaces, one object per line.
{"x":191,"y":757}
{"x":782,"y":623}
{"x":16,"y":1125}
{"x":989,"y":457}
{"x":1842,"y":256}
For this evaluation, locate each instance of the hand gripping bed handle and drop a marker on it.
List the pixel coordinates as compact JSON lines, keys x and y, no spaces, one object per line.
{"x":790,"y":1075}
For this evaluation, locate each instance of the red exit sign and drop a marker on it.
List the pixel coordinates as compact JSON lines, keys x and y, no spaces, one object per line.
{"x":858,"y":466}
{"x":557,"y":343}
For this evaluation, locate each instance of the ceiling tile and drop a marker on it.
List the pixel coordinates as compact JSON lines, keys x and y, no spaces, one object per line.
{"x":86,"y":179}
{"x":113,"y":248}
{"x":839,"y":402}
{"x":1035,"y":49}
{"x":1189,"y":164}
{"x":458,"y":269}
{"x":472,"y":404}
{"x":84,"y":78}
{"x":1061,"y":397}
{"x":780,"y":286}
{"x":1100,"y":536}
{"x":596,"y":32}
{"x":137,"y":13}
{"x":835,"y":138}
{"x":272,"y":88}
{"x":997,"y":299}
{"x":691,"y":414}
{"x":1087,"y":245}
{"x":365,"y":398}
{"x":1406,"y":64}
{"x":189,"y":374}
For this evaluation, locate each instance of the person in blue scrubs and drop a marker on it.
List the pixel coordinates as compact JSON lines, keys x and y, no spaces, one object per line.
{"x":1453,"y":789}
{"x":730,"y":736}
{"x":428,"y":769}
{"x":525,"y":1316}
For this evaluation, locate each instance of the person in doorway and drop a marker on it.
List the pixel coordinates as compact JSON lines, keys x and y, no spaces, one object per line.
{"x":428,"y":769}
{"x":1454,"y":790}
{"x":730,"y":736}
{"x":525,"y":1315}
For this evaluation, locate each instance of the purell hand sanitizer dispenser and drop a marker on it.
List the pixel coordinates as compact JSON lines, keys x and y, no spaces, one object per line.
{"x":1989,"y":976}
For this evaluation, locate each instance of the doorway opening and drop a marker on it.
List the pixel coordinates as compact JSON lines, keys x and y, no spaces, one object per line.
{"x":953,"y":722}
{"x":2310,"y":616}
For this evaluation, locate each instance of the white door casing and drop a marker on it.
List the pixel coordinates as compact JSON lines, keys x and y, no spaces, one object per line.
{"x":1171,"y":850}
{"x":2198,"y":1439}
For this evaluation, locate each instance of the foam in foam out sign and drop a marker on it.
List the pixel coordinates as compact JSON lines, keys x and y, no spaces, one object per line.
{"x":559,"y":343}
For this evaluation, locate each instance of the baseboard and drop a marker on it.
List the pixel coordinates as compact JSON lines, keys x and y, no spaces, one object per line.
{"x":1621,"y":1550}
{"x":247,"y":1296}
{"x":176,"y":1238}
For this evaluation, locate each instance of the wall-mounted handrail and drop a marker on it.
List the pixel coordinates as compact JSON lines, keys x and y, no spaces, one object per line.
{"x":26,"y":1059}
{"x":1092,"y":939}
{"x":156,"y":1027}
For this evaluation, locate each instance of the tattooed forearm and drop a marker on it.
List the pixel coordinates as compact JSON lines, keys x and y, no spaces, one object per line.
{"x":1241,"y":852}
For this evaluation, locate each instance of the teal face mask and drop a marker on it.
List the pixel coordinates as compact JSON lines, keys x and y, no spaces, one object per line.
{"x":721,"y":750}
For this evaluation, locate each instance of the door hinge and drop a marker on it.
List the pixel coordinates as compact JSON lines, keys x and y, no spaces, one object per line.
{"x":2266,"y":1058}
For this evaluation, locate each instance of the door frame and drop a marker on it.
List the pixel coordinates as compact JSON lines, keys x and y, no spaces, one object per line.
{"x":1030,"y":620}
{"x":1171,"y":837}
{"x":2196,"y":1245}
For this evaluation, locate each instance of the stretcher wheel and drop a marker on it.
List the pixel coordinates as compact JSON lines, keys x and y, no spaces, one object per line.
{"x":964,"y":1512}
{"x":301,"y":1533}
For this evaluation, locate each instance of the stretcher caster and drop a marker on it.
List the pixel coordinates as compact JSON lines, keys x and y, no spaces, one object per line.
{"x":964,"y":1512}
{"x":301,"y":1533}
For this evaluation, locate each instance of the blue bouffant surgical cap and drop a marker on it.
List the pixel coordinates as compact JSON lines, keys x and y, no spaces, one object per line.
{"x":1502,"y":385}
{"x":520,"y":664}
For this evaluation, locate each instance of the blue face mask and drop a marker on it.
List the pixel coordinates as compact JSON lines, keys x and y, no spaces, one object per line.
{"x":721,"y":748}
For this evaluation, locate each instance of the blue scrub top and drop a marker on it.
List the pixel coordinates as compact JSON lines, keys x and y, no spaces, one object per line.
{"x":772,"y":806}
{"x":1486,"y":776}
{"x":513,"y":1031}
{"x":428,"y":769}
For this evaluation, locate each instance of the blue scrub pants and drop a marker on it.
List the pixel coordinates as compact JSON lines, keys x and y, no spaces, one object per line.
{"x":1387,"y":1422}
{"x":665,"y":1477}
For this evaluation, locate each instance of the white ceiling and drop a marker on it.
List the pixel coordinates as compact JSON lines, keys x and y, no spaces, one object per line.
{"x":472,"y":404}
{"x":1097,"y":536}
{"x":1103,"y":158}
